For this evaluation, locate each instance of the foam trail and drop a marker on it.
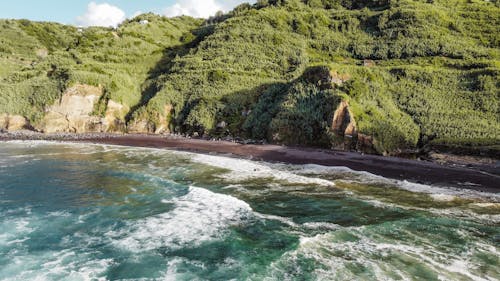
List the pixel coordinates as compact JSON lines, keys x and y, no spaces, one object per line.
{"x":340,"y":253}
{"x":61,"y":265}
{"x":241,"y":169}
{"x":199,"y":216}
{"x":437,"y":192}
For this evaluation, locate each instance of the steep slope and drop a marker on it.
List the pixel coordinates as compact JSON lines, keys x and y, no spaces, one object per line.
{"x":399,"y":74}
{"x":413,"y":71}
{"x":43,"y":60}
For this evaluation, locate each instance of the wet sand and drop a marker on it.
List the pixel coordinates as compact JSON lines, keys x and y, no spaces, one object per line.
{"x":478,"y":177}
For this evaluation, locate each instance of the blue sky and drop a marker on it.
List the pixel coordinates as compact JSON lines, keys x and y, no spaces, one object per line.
{"x":67,"y":11}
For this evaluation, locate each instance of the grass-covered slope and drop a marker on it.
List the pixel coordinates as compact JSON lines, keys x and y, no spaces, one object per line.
{"x":432,"y":73}
{"x":42,"y":59}
{"x":412,"y":72}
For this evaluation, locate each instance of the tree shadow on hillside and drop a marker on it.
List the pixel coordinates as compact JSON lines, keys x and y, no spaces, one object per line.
{"x":250,"y":112}
{"x":234,"y":114}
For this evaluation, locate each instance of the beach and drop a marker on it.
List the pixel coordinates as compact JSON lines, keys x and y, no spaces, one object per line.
{"x":476,"y":176}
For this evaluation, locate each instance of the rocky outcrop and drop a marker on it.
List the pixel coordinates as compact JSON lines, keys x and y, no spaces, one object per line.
{"x":345,"y":128}
{"x":164,"y":120}
{"x":141,"y":126}
{"x":73,"y":112}
{"x":365,"y":143}
{"x":146,"y":125}
{"x":13,"y":122}
{"x":115,"y":116}
{"x":17,"y":122}
{"x":343,"y":124}
{"x":343,"y":120}
{"x":3,"y":121}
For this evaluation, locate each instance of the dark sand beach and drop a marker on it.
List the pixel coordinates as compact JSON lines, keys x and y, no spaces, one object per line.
{"x":481,"y":177}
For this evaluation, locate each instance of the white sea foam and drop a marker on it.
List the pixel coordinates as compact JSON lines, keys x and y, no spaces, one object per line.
{"x":176,"y":269}
{"x":61,"y":265}
{"x":202,"y":215}
{"x":246,"y":169}
{"x":199,"y":216}
{"x":487,"y":219}
{"x":283,"y":220}
{"x":439,"y":193}
{"x":241,"y":169}
{"x":443,"y":191}
{"x":15,"y":230}
{"x":321,"y":225}
{"x":379,"y":256}
{"x":298,"y":226}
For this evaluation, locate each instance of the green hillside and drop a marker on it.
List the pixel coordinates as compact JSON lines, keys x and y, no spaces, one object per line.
{"x":413,"y":73}
{"x":42,"y":59}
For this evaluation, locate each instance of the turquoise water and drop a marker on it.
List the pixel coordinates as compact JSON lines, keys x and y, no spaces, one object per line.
{"x":93,"y":212}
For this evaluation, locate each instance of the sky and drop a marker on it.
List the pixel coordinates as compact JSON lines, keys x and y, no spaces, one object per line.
{"x":108,"y":12}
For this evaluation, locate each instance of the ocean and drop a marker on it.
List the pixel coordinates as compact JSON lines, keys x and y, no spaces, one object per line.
{"x":100,"y":212}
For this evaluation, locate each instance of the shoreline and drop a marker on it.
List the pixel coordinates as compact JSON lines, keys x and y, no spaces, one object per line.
{"x":479,"y":177}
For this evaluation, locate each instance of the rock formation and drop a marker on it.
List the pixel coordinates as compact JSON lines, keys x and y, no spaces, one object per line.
{"x":141,"y":126}
{"x":345,"y":128}
{"x":146,"y":125}
{"x":115,"y":116}
{"x":73,"y":112}
{"x":3,"y":121}
{"x":13,"y":122}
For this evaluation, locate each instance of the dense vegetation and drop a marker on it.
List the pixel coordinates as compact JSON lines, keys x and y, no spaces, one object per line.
{"x":39,"y":60}
{"x":413,"y":72}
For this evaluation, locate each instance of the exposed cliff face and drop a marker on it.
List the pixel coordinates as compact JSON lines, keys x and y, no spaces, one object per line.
{"x":160,"y":125}
{"x":13,"y":122}
{"x":141,"y":126}
{"x":73,"y":112}
{"x":345,"y":128}
{"x":3,"y":121}
{"x":114,"y":117}
{"x":164,"y":120}
{"x":343,"y":123}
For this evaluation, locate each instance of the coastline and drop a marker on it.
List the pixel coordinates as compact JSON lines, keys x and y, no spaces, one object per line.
{"x":479,"y":177}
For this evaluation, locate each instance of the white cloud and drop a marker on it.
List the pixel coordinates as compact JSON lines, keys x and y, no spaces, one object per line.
{"x":201,"y":8}
{"x":101,"y":15}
